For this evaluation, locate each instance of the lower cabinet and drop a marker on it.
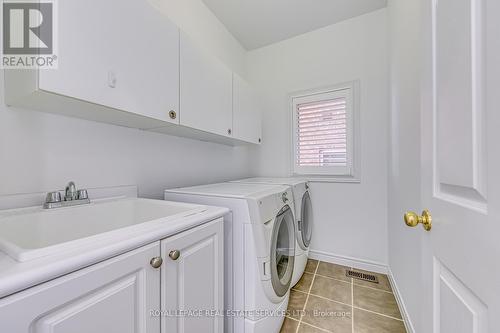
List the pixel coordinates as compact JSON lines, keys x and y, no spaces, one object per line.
{"x":126,"y":294}
{"x":112,"y":296}
{"x":192,"y":281}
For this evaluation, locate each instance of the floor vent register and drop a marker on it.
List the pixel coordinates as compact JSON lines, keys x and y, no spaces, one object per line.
{"x":361,"y":276}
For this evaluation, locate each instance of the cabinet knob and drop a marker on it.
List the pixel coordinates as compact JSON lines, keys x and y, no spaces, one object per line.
{"x":260,"y":140}
{"x":172,"y":114}
{"x":229,"y":131}
{"x":156,"y":262}
{"x":175,"y":254}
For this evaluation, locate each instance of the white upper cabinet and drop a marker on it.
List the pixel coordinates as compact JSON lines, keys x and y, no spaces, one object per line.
{"x":206,"y":90}
{"x":124,"y":57}
{"x":128,"y":65}
{"x":247,"y":118}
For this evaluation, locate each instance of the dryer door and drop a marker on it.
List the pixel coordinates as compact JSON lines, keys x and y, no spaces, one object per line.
{"x":305,"y":223}
{"x":282,"y":251}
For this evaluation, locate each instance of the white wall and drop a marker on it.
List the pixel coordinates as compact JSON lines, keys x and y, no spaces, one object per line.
{"x":350,"y":219}
{"x":404,"y":168}
{"x":40,"y":152}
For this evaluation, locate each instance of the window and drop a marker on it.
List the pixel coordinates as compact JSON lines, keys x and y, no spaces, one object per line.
{"x":323,"y":132}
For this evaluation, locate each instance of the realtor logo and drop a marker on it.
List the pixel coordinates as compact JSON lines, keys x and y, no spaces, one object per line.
{"x":28,"y":34}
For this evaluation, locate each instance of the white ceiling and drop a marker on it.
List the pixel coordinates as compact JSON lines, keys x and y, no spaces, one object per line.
{"x":256,"y":23}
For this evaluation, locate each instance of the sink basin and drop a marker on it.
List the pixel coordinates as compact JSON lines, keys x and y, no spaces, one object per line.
{"x":31,"y":233}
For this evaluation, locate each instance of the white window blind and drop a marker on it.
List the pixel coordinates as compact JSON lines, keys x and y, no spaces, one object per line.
{"x":322,"y":133}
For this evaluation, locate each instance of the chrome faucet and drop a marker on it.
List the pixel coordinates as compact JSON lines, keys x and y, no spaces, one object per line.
{"x":72,"y":197}
{"x":70,"y":192}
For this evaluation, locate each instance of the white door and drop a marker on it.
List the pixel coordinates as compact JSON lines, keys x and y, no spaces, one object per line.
{"x":246,"y":115}
{"x":192,"y":281}
{"x":206,"y":90}
{"x":116,"y":295}
{"x":122,"y":55}
{"x":461,"y":166}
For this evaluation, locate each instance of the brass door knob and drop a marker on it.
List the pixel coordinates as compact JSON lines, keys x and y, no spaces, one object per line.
{"x":412,"y":219}
{"x":175,"y":254}
{"x":156,"y":262}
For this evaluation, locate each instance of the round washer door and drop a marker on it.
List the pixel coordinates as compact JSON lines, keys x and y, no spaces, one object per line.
{"x":282,"y":251}
{"x":305,"y":223}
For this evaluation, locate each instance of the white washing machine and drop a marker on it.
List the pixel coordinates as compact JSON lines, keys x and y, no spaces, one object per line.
{"x":303,"y":216}
{"x":259,"y":250}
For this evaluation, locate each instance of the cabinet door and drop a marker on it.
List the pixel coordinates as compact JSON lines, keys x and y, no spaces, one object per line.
{"x":193,"y":282}
{"x":246,"y":115}
{"x":116,"y":295}
{"x":123,"y":55}
{"x":206,"y":91}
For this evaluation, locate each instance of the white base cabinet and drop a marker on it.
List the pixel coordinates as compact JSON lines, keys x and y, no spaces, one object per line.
{"x":194,"y":282}
{"x":112,"y":296}
{"x":126,"y":294}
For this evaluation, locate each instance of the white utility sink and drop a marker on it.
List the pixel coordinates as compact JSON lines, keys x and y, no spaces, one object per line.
{"x":31,"y":233}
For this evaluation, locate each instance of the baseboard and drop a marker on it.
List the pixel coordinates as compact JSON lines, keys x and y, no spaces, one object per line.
{"x":402,"y":307}
{"x":363,"y":264}
{"x":372,"y":266}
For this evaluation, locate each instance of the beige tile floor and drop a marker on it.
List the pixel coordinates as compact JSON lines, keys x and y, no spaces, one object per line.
{"x":325,"y":300}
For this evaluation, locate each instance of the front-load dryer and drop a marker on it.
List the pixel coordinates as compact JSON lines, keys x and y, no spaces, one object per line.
{"x":303,"y":216}
{"x":259,"y":250}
